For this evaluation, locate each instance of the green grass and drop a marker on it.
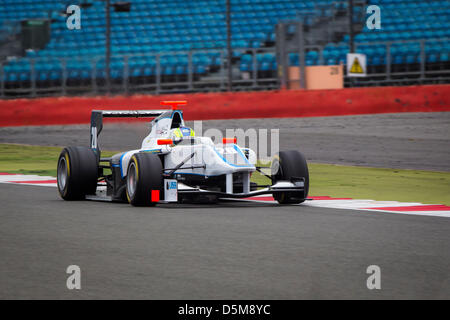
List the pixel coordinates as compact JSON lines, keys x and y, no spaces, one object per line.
{"x":325,"y":179}
{"x":428,"y":187}
{"x":25,"y":159}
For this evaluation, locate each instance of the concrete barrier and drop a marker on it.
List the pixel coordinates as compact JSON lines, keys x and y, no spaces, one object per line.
{"x":205,"y":106}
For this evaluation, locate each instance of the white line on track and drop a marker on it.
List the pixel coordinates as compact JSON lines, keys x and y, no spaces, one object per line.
{"x":410,"y":208}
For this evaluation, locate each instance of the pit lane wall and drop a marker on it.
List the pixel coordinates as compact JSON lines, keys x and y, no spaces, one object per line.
{"x":206,"y":106}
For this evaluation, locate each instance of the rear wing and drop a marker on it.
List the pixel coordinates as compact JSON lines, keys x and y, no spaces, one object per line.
{"x":98,"y":115}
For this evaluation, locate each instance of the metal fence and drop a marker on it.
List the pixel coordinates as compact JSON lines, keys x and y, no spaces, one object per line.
{"x":426,"y":64}
{"x":202,"y":71}
{"x":423,"y":65}
{"x":195,"y":71}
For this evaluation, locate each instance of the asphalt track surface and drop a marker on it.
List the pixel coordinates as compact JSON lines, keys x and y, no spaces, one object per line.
{"x":405,"y":141}
{"x":231,"y":251}
{"x":234,"y":250}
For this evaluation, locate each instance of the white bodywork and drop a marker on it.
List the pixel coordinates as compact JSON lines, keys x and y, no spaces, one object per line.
{"x":209,"y":159}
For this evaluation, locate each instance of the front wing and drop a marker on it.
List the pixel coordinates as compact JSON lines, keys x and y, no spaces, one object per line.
{"x":280,"y":186}
{"x":297,"y":185}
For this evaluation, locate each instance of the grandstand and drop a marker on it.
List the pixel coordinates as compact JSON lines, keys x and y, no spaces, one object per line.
{"x":180,"y":46}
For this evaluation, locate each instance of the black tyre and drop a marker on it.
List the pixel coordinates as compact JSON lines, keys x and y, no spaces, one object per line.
{"x":286,"y":165}
{"x":144,"y":179}
{"x":77,"y":173}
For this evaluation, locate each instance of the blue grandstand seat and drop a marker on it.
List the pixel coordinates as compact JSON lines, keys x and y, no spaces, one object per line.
{"x":164,"y":26}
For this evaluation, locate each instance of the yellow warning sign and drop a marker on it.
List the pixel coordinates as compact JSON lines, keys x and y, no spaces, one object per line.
{"x":356,"y":67}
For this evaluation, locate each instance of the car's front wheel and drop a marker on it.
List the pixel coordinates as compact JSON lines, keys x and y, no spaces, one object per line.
{"x":144,"y":179}
{"x":285,"y":166}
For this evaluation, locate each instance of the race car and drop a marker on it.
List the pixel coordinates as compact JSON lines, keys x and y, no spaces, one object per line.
{"x":174,"y":165}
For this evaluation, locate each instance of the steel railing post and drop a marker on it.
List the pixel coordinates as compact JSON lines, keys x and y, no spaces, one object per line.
{"x":229,"y":46}
{"x":321,"y":62}
{"x":64,"y":76}
{"x":94,"y":76}
{"x":254,"y":67}
{"x":302,"y":53}
{"x":281,"y":54}
{"x":2,"y":81}
{"x":108,"y":47}
{"x":388,"y":61}
{"x":222,"y":70}
{"x":33,"y":78}
{"x":126,"y":73}
{"x":190,"y":71}
{"x":158,"y":73}
{"x":422,"y":60}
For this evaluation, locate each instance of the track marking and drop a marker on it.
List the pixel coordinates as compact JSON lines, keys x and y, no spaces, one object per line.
{"x":433,"y":207}
{"x":34,"y":180}
{"x":410,"y":208}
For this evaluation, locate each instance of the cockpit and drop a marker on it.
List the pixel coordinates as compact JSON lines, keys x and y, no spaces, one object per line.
{"x":176,"y":120}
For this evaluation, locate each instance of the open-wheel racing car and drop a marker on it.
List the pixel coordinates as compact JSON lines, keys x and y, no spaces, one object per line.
{"x":173,"y":165}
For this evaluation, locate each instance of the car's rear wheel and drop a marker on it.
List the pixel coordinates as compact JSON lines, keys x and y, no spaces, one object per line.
{"x":285,"y":166}
{"x":77,"y":173}
{"x":144,"y":179}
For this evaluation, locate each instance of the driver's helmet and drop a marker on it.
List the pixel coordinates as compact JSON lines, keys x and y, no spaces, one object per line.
{"x":181,"y":132}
